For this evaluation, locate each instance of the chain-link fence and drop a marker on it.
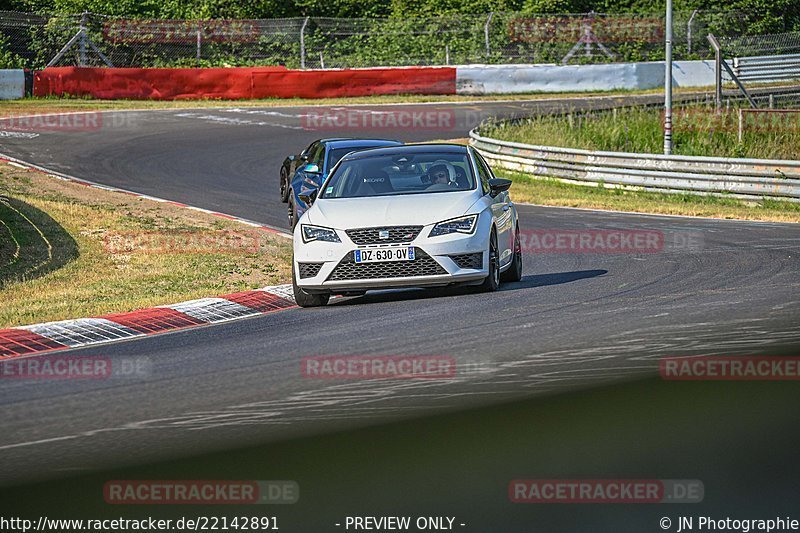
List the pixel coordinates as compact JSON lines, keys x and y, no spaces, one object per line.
{"x":765,"y":59}
{"x":92,"y":39}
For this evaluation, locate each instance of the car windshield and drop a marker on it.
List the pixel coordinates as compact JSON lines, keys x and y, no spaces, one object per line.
{"x":337,"y":153}
{"x":400,"y":174}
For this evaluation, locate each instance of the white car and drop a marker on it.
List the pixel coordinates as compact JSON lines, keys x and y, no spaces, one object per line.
{"x":425,"y":215}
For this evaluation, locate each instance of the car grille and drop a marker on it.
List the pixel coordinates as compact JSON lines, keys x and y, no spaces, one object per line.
{"x":422,"y":265}
{"x":309,"y":270}
{"x":397,"y":234}
{"x":469,"y":260}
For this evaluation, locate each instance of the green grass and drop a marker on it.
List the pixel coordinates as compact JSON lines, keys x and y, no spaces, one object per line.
{"x":697,"y":131}
{"x":545,"y":191}
{"x":31,"y":243}
{"x":63,"y":253}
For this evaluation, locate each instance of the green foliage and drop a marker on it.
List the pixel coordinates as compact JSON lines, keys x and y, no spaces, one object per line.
{"x":399,"y":32}
{"x":7,"y":58}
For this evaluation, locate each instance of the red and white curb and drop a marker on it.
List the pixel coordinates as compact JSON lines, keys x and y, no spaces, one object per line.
{"x":66,"y":334}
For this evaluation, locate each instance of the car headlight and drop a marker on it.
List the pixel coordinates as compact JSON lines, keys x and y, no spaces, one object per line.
{"x":317,"y":233}
{"x":455,"y":225}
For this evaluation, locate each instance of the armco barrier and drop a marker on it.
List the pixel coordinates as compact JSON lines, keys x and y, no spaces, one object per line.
{"x":12,"y":84}
{"x":240,"y":83}
{"x":508,"y":79}
{"x":767,"y":68}
{"x":742,"y":178}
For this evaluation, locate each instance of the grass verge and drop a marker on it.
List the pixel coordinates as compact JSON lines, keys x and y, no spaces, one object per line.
{"x":544,"y":191}
{"x":69,"y":251}
{"x":697,"y":131}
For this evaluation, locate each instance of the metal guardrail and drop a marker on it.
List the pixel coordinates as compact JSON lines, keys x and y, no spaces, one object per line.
{"x":739,"y":178}
{"x":767,"y":68}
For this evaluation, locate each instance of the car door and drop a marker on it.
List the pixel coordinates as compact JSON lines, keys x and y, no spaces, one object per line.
{"x":501,"y":211}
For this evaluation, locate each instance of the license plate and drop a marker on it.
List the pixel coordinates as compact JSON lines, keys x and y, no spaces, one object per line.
{"x":382,"y":255}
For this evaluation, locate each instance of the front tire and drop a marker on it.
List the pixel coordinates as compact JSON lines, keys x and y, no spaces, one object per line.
{"x":307,"y":299}
{"x":492,"y":281}
{"x":514,"y":272}
{"x":284,"y":185}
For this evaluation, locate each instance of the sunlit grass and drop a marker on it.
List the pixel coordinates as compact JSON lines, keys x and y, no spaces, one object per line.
{"x":99,"y":278}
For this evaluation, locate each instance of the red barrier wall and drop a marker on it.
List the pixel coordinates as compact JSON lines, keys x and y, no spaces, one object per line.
{"x":240,"y":83}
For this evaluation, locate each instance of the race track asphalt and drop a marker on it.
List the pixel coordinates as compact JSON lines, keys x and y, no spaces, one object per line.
{"x":575,"y":321}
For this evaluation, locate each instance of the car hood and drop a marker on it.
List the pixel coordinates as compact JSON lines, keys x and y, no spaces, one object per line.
{"x":412,"y":209}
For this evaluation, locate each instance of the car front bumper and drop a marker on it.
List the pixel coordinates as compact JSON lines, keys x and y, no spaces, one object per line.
{"x":439,"y":261}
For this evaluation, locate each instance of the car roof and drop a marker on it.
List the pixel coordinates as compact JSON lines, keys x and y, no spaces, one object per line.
{"x":410,"y":149}
{"x":355,"y":143}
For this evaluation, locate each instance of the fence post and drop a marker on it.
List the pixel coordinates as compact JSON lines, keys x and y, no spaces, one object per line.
{"x":199,"y":40}
{"x":741,"y":126}
{"x":486,"y":34}
{"x":717,"y":70}
{"x":303,"y":43}
{"x":689,"y":31}
{"x":82,"y":41}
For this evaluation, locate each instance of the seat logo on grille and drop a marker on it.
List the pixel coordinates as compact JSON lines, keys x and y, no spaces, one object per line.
{"x":383,"y":234}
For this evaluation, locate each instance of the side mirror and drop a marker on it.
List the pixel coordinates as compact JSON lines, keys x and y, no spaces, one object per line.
{"x":308,"y":197}
{"x":303,"y":156}
{"x":311,"y":169}
{"x":498,"y":185}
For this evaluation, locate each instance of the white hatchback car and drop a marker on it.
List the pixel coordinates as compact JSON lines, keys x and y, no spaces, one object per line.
{"x":424,"y":215}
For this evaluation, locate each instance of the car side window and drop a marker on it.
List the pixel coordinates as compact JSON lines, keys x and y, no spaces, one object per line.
{"x":489,"y":170}
{"x":483,"y":172}
{"x":316,"y":157}
{"x":311,"y":147}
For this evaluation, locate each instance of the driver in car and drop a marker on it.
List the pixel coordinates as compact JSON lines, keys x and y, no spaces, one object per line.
{"x":439,"y":175}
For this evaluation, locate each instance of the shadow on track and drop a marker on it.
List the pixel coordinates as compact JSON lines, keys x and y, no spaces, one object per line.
{"x":543,"y":280}
{"x":527,"y":282}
